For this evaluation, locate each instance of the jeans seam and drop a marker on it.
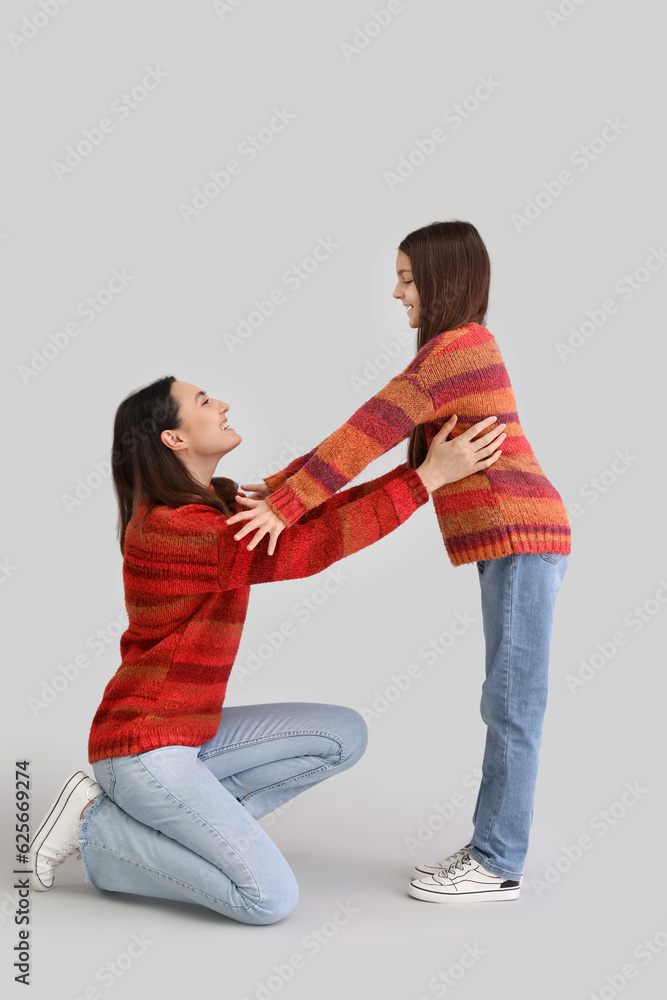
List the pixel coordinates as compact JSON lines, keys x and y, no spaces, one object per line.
{"x":286,"y":781}
{"x":296,"y":777}
{"x":273,"y":736}
{"x":501,"y":790}
{"x":112,"y":779}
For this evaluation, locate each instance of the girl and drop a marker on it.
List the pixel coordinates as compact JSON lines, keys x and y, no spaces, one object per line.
{"x":508,"y":520}
{"x":182,"y":781}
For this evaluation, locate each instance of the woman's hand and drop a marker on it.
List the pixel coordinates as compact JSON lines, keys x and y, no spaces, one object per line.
{"x":449,"y":461}
{"x":446,"y":462}
{"x":260,"y":517}
{"x":261,"y":490}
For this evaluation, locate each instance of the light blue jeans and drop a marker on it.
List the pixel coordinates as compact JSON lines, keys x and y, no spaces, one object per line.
{"x":518,"y":598}
{"x":180,"y":822}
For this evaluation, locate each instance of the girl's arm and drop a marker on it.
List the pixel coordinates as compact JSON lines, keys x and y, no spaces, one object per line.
{"x":278,"y":479}
{"x":421,"y":393}
{"x":274,"y":481}
{"x":344,"y":524}
{"x":353,"y":493}
{"x":446,"y":462}
{"x":376,"y":427}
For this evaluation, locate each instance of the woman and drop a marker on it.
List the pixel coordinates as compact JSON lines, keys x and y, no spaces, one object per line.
{"x":509,"y":520}
{"x":180,"y":780}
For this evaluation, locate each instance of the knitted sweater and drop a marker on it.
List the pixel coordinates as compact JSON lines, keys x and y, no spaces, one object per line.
{"x":510,"y":507}
{"x":187,"y":587}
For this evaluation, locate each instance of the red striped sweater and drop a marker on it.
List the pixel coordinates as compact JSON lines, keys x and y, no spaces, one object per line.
{"x":187,"y":587}
{"x":511,"y":507}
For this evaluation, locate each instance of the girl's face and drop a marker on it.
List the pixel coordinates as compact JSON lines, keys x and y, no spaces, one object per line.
{"x":406,"y":290}
{"x":204,"y":432}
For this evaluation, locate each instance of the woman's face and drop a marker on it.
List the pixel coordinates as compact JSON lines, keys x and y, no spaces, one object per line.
{"x":204,"y":432}
{"x":406,"y":290}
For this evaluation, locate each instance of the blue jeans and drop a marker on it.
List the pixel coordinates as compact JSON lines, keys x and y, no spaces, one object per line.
{"x":180,"y":822}
{"x":518,"y":597}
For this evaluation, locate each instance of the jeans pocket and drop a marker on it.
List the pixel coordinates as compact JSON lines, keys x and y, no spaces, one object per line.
{"x":552,"y":557}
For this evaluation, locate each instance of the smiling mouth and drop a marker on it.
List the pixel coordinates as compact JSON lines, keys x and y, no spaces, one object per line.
{"x":224,"y":425}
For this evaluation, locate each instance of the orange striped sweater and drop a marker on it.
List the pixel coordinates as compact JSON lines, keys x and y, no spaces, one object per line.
{"x":187,"y":588}
{"x":510,"y":507}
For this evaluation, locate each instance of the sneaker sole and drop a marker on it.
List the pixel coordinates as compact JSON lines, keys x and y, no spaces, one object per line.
{"x":493,"y":895}
{"x":52,"y":816}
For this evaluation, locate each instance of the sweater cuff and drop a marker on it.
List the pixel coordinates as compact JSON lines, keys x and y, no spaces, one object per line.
{"x":421,"y":494}
{"x":286,"y":504}
{"x":275,"y":481}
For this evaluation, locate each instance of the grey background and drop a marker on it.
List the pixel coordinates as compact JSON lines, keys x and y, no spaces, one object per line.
{"x":291,"y":381}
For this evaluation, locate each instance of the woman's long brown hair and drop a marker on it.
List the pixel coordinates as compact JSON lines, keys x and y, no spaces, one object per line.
{"x":452,"y":272}
{"x":145,"y":470}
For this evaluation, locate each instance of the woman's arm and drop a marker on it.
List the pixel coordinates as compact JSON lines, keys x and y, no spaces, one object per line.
{"x":465,"y":455}
{"x":343,"y":524}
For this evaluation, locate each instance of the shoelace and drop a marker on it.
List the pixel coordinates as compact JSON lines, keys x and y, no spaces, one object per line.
{"x":461,"y":863}
{"x":448,"y":861}
{"x":61,"y":855}
{"x":72,"y":848}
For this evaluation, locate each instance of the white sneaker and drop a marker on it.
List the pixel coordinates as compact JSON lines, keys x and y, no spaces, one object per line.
{"x":57,"y":837}
{"x":465,"y":880}
{"x":422,"y":870}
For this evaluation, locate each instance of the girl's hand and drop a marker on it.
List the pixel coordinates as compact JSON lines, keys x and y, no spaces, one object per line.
{"x":260,"y":517}
{"x":261,"y":490}
{"x":449,"y":461}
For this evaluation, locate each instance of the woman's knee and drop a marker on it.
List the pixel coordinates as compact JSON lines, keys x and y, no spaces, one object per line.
{"x":277,"y":898}
{"x":352,"y":731}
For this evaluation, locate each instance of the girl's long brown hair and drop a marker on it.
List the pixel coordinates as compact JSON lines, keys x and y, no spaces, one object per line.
{"x":452,"y":272}
{"x":145,"y":470}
